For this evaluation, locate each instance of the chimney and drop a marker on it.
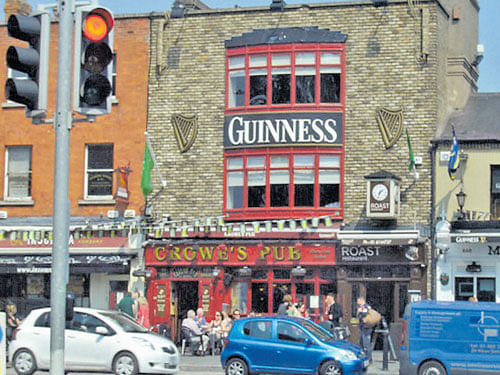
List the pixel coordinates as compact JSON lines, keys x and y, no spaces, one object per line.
{"x":194,"y":4}
{"x":16,"y":7}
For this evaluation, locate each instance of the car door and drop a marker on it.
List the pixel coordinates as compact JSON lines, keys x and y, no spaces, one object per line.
{"x":85,"y":348}
{"x":39,"y":339}
{"x":295,"y":350}
{"x":257,"y":343}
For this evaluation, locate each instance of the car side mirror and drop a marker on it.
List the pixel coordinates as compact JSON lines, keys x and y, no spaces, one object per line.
{"x":308,"y":341}
{"x":102,"y":330}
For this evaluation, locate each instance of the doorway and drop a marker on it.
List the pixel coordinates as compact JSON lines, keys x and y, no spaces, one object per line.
{"x":380,"y":296}
{"x":184,"y":298}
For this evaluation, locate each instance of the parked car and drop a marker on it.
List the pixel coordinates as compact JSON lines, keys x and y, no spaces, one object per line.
{"x":95,"y":340}
{"x":281,"y":344}
{"x":451,"y":338}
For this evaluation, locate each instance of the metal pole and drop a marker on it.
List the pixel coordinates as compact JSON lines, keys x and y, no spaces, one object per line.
{"x":60,"y":252}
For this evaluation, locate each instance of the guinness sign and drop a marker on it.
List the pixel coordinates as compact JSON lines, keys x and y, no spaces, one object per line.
{"x":287,"y":129}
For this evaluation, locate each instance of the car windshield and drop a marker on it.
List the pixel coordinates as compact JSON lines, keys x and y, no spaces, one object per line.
{"x":317,"y":331}
{"x":124,"y":321}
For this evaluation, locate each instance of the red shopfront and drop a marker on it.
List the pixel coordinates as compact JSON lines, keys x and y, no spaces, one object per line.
{"x":244,"y":275}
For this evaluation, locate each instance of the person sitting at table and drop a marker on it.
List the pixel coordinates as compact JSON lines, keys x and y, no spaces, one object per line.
{"x":226,"y":324}
{"x":197,"y":335}
{"x":201,"y":320}
{"x":215,"y":331}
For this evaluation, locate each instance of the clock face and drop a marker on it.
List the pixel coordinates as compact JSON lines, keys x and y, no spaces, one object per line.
{"x":379,"y":192}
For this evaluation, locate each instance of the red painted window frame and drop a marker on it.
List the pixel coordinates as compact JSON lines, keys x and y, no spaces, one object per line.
{"x":289,"y":212}
{"x":316,"y":281}
{"x":291,"y":49}
{"x":262,"y":213}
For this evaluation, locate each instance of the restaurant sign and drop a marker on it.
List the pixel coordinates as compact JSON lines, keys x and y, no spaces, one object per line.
{"x":356,"y":254}
{"x":295,"y":128}
{"x":282,"y":254}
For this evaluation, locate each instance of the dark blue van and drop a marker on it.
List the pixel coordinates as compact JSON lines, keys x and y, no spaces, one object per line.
{"x":448,"y":338}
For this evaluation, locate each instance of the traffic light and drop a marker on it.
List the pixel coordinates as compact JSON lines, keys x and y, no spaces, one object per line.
{"x":93,"y":68}
{"x":31,"y":91}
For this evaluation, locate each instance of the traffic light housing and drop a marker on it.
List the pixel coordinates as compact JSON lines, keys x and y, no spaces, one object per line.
{"x":93,"y":63}
{"x":32,"y":91}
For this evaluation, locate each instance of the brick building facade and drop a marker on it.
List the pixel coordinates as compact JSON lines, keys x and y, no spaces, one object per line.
{"x":398,"y":63}
{"x":102,"y":251}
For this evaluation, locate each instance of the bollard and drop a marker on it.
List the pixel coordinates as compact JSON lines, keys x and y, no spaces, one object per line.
{"x":385,"y":357}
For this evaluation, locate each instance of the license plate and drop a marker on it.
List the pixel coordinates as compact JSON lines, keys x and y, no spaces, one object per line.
{"x":366,"y":363}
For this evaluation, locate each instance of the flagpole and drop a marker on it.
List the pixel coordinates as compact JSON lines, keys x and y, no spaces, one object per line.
{"x":411,"y":165}
{"x":148,"y":143}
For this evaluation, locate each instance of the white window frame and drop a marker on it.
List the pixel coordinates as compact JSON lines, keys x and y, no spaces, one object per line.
{"x":6,"y":173}
{"x":87,"y":171}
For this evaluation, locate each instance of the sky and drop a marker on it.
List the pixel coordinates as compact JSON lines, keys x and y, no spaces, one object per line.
{"x":489,"y":26}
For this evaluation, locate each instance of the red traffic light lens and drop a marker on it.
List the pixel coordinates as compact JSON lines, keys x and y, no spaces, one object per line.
{"x":97,"y":24}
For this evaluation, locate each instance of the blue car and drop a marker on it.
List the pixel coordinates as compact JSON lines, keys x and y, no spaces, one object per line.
{"x":282,"y":344}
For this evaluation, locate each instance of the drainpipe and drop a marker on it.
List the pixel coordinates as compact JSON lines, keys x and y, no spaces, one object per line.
{"x":432,"y":226}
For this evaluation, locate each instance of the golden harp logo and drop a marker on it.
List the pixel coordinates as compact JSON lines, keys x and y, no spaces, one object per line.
{"x":390,"y":123}
{"x":186,"y":130}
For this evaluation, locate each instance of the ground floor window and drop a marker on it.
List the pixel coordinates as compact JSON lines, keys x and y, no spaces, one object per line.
{"x":483,"y":288}
{"x":263,"y":291}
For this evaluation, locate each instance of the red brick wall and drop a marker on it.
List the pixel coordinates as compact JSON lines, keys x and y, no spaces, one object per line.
{"x":124,"y":127}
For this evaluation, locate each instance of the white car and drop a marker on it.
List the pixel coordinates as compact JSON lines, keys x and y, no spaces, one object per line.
{"x":95,"y":340}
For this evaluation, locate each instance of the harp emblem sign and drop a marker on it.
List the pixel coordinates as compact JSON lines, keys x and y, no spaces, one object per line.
{"x":185,"y":130}
{"x":390,"y":123}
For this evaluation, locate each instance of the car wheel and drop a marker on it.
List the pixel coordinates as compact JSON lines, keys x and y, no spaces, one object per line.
{"x":330,"y":368}
{"x":236,"y":366}
{"x":432,"y":368}
{"x":125,"y":364}
{"x":24,"y":362}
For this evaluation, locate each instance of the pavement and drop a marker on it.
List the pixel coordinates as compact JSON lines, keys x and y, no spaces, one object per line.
{"x":208,"y":364}
{"x":194,"y":365}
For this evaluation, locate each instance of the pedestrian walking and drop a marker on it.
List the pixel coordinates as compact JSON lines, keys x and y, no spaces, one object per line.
{"x":143,"y":312}
{"x":127,"y":305}
{"x":365,"y":332}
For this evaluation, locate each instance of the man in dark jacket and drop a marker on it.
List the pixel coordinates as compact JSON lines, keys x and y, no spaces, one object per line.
{"x":334,"y":310}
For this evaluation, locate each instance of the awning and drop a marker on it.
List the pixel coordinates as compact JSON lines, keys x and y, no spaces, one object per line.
{"x":380,"y":237}
{"x":78,"y":263}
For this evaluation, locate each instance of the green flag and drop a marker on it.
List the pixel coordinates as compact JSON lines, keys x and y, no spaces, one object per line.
{"x":147,"y":167}
{"x":411,"y":162}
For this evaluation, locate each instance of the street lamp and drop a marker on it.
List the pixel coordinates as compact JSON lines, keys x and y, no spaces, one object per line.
{"x":461,"y":202}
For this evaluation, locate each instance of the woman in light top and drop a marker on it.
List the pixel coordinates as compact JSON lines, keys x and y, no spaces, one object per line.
{"x":226,"y":324}
{"x":143,"y":312}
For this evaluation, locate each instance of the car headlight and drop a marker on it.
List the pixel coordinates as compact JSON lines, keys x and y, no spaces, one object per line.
{"x":351,"y":356}
{"x":144,"y":342}
{"x":169,"y":349}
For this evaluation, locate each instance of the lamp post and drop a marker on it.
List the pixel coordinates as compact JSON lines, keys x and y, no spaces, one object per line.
{"x":461,"y":202}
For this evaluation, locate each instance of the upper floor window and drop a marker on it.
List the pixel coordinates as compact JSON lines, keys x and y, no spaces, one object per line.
{"x":18,"y":172}
{"x":296,"y":180}
{"x":495,"y":191}
{"x":99,"y":171}
{"x":269,"y":77}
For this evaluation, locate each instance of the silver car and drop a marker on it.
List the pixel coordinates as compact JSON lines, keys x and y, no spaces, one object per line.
{"x":95,"y":340}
